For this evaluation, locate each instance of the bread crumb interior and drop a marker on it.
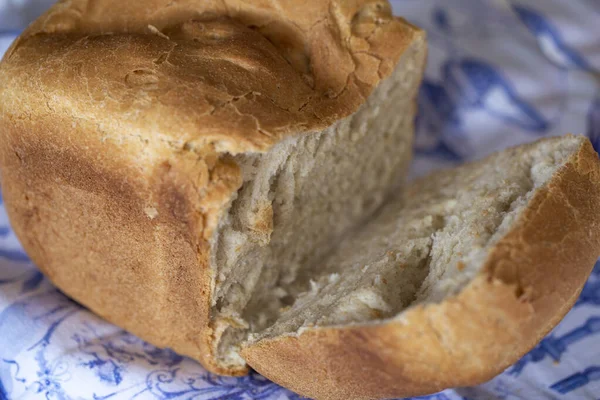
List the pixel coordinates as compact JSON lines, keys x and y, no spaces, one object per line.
{"x":308,"y":242}
{"x":299,"y":199}
{"x":427,"y":243}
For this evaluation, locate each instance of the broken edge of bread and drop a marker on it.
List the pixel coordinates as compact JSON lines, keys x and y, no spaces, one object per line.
{"x":449,"y":284}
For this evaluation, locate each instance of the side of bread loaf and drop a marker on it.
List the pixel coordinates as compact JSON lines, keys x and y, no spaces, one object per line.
{"x":449,"y":284}
{"x":173,"y":166}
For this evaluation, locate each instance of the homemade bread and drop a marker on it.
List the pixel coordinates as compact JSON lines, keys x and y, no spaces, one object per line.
{"x":448,"y":284}
{"x":180,"y":168}
{"x":226,"y":178}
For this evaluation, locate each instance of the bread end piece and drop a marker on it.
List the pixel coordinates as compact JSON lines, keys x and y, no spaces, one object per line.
{"x":529,"y":281}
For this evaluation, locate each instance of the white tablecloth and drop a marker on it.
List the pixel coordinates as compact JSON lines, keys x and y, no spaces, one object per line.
{"x":500,"y":72}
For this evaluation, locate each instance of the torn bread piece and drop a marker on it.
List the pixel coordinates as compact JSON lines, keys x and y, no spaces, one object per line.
{"x":449,"y":284}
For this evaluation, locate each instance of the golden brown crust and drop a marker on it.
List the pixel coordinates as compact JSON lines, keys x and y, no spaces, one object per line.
{"x":197,"y":72}
{"x":125,"y":244}
{"x":530,"y":280}
{"x":117,"y":118}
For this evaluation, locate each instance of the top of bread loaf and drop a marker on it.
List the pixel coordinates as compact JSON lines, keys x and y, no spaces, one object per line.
{"x":231,"y":76}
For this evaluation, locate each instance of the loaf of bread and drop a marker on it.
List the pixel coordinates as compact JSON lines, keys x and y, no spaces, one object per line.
{"x":176,"y":166}
{"x":226,"y":178}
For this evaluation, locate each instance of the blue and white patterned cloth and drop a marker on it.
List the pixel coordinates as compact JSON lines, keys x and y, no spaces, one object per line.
{"x":501,"y":72}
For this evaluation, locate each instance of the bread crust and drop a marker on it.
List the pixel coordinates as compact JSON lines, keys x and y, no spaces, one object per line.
{"x":530,"y":279}
{"x":118,"y":120}
{"x":202,"y":77}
